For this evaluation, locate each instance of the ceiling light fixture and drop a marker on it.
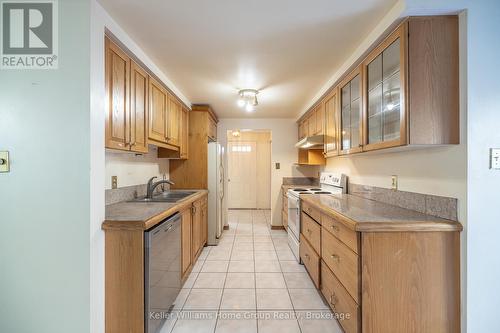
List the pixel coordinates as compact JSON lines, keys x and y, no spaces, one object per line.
{"x":248,"y":99}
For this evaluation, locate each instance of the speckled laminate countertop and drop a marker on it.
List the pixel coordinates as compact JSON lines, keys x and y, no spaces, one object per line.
{"x":366,"y":215}
{"x":144,"y":215}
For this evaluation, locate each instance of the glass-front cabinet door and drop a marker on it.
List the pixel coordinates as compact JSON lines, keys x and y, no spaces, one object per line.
{"x":351,"y":134}
{"x":331,"y":124}
{"x":384,"y":117}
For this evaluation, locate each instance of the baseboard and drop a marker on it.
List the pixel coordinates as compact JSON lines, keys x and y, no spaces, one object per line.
{"x":277,"y":227}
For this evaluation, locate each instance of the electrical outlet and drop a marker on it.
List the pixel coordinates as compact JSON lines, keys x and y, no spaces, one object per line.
{"x":114,"y":182}
{"x":278,"y":166}
{"x":495,"y":158}
{"x":4,"y":161}
{"x":394,"y":182}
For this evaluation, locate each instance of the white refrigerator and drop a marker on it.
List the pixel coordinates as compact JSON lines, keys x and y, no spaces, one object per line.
{"x":216,"y":199}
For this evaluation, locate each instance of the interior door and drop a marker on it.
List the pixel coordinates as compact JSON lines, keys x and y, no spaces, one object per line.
{"x":242,"y":171}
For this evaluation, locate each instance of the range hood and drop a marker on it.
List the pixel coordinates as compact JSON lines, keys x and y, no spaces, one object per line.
{"x":311,"y":142}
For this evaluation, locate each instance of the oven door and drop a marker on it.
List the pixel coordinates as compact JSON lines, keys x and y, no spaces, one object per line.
{"x":294,"y":216}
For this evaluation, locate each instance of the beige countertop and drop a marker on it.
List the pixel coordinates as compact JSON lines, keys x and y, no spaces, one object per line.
{"x":366,"y":215}
{"x":144,"y":215}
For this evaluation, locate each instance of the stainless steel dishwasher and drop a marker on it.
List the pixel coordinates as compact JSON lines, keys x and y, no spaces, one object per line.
{"x":162,"y":271}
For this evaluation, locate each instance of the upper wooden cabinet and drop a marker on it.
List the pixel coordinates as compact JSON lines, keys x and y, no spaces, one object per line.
{"x":202,"y":129}
{"x":351,"y":127}
{"x":411,"y":85}
{"x":184,"y":148}
{"x":404,"y":93}
{"x":330,"y":104}
{"x":312,"y":123}
{"x":173,"y":121}
{"x":139,"y":102}
{"x":157,"y":111}
{"x":126,"y":101}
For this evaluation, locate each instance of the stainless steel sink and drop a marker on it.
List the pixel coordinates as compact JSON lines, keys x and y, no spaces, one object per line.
{"x":168,"y":196}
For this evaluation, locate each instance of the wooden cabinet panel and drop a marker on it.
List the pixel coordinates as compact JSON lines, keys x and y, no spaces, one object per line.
{"x":186,"y":240}
{"x":331,"y":124}
{"x":414,"y":276}
{"x":117,"y":97}
{"x":343,"y":262}
{"x":157,"y":111}
{"x":351,"y":113}
{"x":139,"y":90}
{"x":320,"y":119}
{"x":311,"y":211}
{"x":212,"y":129}
{"x":312,"y":124}
{"x":311,"y":261}
{"x":340,"y":301}
{"x":312,"y":232}
{"x":173,"y":121}
{"x":338,"y":229}
{"x":384,"y":94}
{"x":204,"y":222}
{"x":184,"y":145}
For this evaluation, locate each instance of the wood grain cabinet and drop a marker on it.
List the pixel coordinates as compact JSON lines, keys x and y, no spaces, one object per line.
{"x":174,"y":121}
{"x":383,"y":279}
{"x":331,"y":124}
{"x":193,"y":173}
{"x":410,"y":85}
{"x":404,"y":93}
{"x":126,"y":101}
{"x":351,"y":113}
{"x":200,"y":227}
{"x":186,"y":241}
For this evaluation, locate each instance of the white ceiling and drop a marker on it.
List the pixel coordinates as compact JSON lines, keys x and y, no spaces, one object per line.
{"x":287,"y":49}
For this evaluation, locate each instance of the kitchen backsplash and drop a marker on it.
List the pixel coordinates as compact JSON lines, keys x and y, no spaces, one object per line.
{"x":128,"y":193}
{"x":443,"y":207}
{"x":300,"y":181}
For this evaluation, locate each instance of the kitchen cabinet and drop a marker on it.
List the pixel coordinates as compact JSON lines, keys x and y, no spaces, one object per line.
{"x":411,"y":85}
{"x":284,"y":209}
{"x":184,"y":146}
{"x":363,"y":268}
{"x":157,"y":112}
{"x":139,"y":90}
{"x":186,"y":241}
{"x":351,"y":127}
{"x":117,"y":97}
{"x":200,"y":225}
{"x":193,"y":173}
{"x":126,"y":101}
{"x":320,"y":119}
{"x":311,"y":157}
{"x":311,"y":122}
{"x":331,"y":124}
{"x":173,"y":121}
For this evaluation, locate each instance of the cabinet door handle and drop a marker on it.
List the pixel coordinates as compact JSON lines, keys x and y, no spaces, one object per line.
{"x":334,"y":227}
{"x":335,"y":257}
{"x":333,"y":300}
{"x":308,"y":230}
{"x":306,"y":256}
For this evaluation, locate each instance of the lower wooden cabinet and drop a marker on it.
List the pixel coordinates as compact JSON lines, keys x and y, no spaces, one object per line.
{"x":200,"y":226}
{"x":186,"y":235}
{"x":339,"y":300}
{"x":284,"y":211}
{"x":383,"y":280}
{"x":310,"y":259}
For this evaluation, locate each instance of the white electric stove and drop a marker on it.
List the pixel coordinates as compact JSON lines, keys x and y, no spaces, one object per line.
{"x":330,"y":183}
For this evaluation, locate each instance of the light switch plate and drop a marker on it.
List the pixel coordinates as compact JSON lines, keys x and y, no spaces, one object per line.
{"x":495,"y":158}
{"x":278,"y":166}
{"x":4,"y":161}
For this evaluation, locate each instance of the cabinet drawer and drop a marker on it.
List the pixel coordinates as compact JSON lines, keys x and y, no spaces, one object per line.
{"x":343,"y":262}
{"x":312,"y":232}
{"x":314,"y":213}
{"x":340,"y":301}
{"x":311,"y":261}
{"x":335,"y":227}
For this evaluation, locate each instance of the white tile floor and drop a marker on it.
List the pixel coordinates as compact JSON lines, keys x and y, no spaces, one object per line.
{"x":250,"y":283}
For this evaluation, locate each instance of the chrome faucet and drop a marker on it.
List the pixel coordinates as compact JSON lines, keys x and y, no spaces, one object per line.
{"x":152,"y":185}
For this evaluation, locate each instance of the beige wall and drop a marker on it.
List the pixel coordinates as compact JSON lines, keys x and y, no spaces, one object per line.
{"x":262,"y":141}
{"x":132,"y":169}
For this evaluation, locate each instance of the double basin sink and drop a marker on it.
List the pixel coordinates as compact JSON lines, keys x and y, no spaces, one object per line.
{"x":168,"y":196}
